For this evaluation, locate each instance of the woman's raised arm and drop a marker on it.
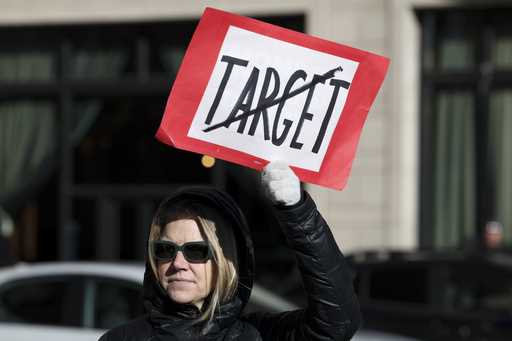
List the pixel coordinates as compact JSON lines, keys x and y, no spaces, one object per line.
{"x":332,"y":312}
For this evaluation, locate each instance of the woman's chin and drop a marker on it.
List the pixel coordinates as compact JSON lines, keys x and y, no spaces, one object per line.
{"x":179,"y":296}
{"x":184,"y":298}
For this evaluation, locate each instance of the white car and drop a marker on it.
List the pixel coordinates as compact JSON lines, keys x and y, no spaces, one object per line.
{"x":79,"y":301}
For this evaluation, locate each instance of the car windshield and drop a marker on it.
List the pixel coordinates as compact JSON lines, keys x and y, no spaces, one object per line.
{"x":490,"y":291}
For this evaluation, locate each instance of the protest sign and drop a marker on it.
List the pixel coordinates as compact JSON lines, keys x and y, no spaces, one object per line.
{"x":251,"y":92}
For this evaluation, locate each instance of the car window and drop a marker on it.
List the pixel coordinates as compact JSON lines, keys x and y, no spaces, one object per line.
{"x":491,"y":290}
{"x":47,"y":301}
{"x":405,"y":284}
{"x":116,"y":302}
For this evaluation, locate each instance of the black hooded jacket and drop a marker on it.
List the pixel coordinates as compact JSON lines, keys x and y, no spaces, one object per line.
{"x":332,"y":312}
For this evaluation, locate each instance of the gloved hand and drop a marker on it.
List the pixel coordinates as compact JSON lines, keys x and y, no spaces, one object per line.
{"x":280,"y":183}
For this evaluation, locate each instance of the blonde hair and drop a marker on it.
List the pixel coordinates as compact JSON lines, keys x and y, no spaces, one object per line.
{"x":219,"y":234}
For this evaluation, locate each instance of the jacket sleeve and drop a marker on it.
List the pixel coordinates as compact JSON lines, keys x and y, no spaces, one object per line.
{"x":138,"y":329}
{"x":333,"y":311}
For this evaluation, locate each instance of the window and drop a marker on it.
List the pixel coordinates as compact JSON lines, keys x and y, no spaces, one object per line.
{"x":79,"y":107}
{"x":42,"y":301}
{"x":466,"y":145}
{"x":490,"y":292}
{"x":115,"y":302}
{"x":400,"y":284}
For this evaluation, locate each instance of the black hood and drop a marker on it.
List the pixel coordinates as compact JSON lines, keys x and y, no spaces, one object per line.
{"x":155,"y":298}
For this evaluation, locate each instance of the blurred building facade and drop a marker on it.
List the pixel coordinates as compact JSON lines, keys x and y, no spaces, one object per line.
{"x":430,"y":169}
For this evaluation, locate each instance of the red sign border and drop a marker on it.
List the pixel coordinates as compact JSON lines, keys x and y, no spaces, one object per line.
{"x":200,"y":59}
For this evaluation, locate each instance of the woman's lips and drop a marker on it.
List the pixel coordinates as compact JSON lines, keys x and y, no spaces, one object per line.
{"x":180,"y":281}
{"x":180,"y":285}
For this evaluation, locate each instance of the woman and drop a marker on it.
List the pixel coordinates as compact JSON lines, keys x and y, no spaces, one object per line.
{"x":200,"y":266}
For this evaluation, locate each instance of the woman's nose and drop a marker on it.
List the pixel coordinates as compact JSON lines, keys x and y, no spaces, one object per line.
{"x":179,"y":261}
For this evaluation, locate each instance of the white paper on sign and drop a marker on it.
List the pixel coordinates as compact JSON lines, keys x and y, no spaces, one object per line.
{"x":296,"y":129}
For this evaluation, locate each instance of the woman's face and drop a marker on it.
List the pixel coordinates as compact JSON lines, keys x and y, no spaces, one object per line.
{"x":185,"y":282}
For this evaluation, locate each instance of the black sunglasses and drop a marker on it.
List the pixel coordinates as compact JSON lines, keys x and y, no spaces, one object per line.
{"x":194,"y":252}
